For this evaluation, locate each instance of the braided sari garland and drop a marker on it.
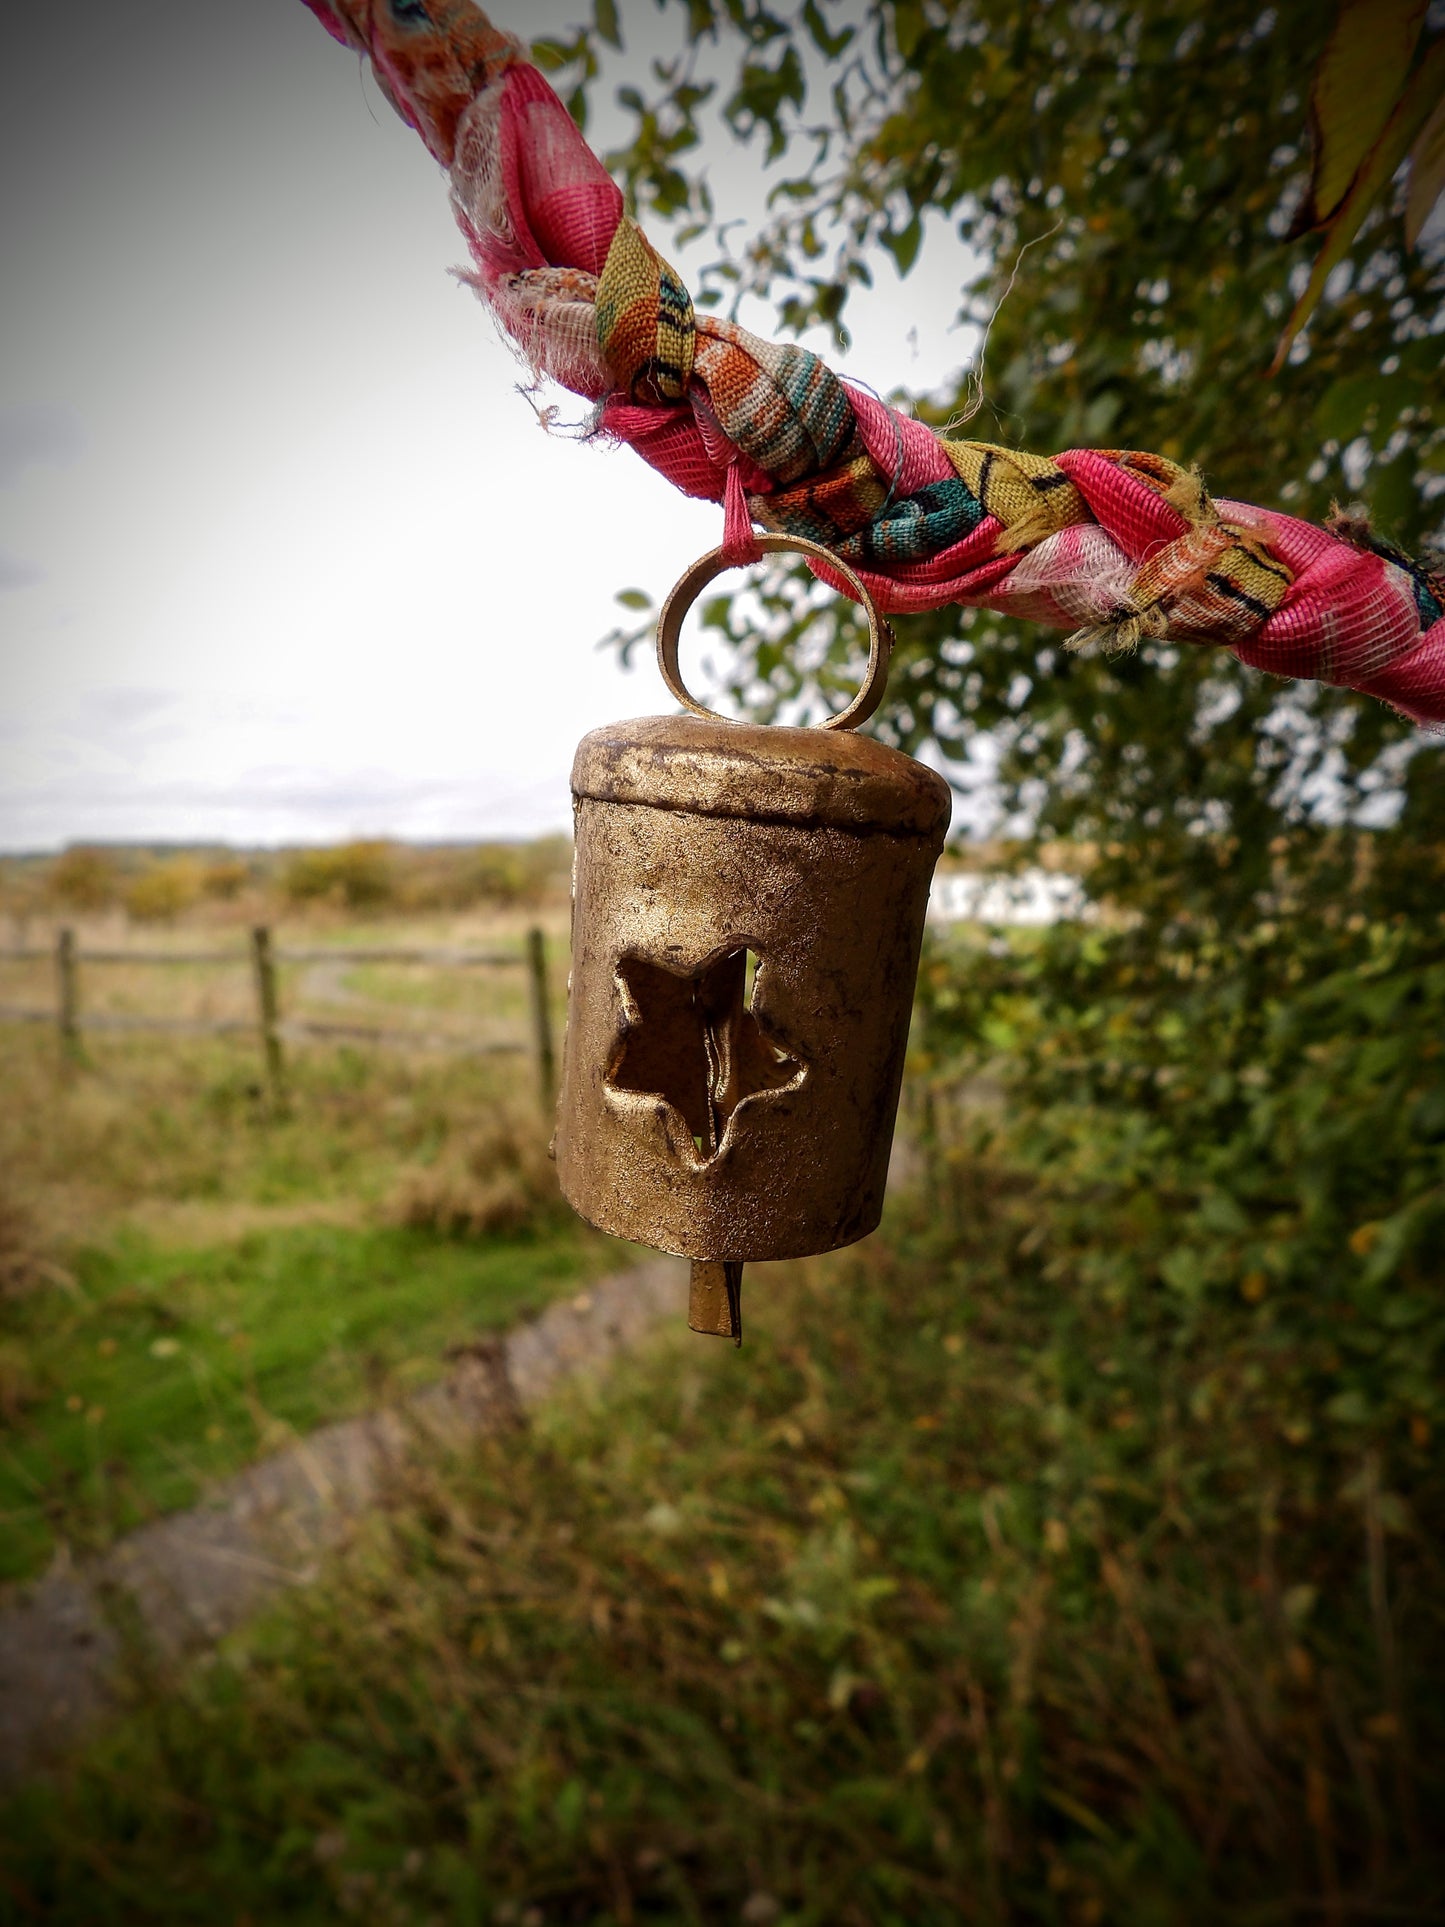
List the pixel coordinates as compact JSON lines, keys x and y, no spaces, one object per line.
{"x":1113,"y":544}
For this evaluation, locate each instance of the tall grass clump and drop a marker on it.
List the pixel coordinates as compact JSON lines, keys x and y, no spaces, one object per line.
{"x":27,"y":1270}
{"x":17,"y":1242}
{"x":495,"y":1175}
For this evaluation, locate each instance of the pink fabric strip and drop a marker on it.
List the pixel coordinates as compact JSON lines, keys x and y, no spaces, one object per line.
{"x":1350,"y":616}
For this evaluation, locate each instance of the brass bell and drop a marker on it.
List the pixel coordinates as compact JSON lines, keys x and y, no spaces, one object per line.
{"x":747,"y":913}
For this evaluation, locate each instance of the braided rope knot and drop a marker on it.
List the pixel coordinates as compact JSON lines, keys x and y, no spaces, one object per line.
{"x":645,"y":324}
{"x":1113,"y":545}
{"x":1214,"y":582}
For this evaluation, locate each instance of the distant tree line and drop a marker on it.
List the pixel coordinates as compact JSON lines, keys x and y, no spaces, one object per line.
{"x":368,"y":875}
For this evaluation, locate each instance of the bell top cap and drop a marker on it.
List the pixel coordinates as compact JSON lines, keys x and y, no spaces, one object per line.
{"x":821,"y":777}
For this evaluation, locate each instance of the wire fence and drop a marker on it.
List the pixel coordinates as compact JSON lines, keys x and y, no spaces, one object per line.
{"x":272,"y":1029}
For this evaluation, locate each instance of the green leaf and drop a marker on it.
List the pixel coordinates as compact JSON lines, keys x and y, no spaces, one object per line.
{"x":908,"y":25}
{"x":1357,"y":85}
{"x":550,"y":55}
{"x":830,"y":44}
{"x":1392,"y":495}
{"x":1416,"y":105}
{"x":1367,"y":400}
{"x":1427,"y":175}
{"x":1184,"y":1271}
{"x":1344,"y":407}
{"x":904,"y":244}
{"x":633,"y":598}
{"x":604,"y":12}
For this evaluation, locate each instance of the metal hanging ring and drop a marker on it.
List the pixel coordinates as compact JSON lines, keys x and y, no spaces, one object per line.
{"x":703,"y":571}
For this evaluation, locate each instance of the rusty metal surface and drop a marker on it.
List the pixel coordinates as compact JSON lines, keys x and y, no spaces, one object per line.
{"x":693,"y":1117}
{"x":811,"y":777}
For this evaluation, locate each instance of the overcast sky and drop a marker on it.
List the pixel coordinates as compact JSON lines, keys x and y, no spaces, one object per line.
{"x":283,"y":553}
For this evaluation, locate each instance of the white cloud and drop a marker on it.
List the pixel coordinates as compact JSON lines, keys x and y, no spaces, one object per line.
{"x":310,"y":567}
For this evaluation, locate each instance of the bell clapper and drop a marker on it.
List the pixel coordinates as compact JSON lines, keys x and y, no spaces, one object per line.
{"x":715,"y":1302}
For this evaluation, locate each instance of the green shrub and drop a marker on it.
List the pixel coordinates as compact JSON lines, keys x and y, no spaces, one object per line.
{"x":164,"y":890}
{"x":356,"y":875}
{"x":84,"y":878}
{"x":226,"y":878}
{"x":513,"y":874}
{"x":1241,"y":1137}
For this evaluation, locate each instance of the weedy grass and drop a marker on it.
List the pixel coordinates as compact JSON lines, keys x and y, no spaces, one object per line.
{"x":945,"y":1600}
{"x":189,"y":1279}
{"x":167,"y":1369}
{"x":493,"y":1178}
{"x":154,"y":1119}
{"x":1069,"y":1554}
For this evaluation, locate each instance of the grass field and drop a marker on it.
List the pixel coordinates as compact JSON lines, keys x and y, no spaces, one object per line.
{"x":169,"y":1367}
{"x":1065,"y":1554}
{"x":211,"y":1278}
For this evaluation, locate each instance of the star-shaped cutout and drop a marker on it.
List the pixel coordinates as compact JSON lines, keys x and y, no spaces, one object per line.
{"x":696,"y":1042}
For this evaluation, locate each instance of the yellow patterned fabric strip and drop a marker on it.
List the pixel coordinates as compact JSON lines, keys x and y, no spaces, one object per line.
{"x":645,"y":325}
{"x":1029,"y":494}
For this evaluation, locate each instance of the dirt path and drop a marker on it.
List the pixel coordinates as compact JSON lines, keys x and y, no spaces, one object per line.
{"x":192,"y":1577}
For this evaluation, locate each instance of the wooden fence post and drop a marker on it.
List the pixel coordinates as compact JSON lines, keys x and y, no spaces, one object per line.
{"x":541,"y":1014}
{"x":67,"y":985}
{"x":269,"y":1012}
